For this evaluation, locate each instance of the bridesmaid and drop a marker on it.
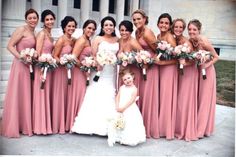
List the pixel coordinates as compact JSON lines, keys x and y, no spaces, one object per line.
{"x":42,"y":98}
{"x":64,"y":45}
{"x":129,"y":44}
{"x":168,"y":81}
{"x":17,"y":105}
{"x":186,"y":114}
{"x":207,"y":88}
{"x":81,"y":50}
{"x":149,"y":89}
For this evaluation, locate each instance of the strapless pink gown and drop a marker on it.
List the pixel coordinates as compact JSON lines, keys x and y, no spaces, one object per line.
{"x":17,"y":104}
{"x":42,"y":98}
{"x":186,"y":114}
{"x":60,"y":95}
{"x":76,"y":91}
{"x":168,"y":100}
{"x":206,"y":103}
{"x":149,"y":97}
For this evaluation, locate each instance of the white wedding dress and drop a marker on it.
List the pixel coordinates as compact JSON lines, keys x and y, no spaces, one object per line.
{"x":99,"y":101}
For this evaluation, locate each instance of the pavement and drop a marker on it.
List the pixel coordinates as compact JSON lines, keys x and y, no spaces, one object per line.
{"x":220,"y":144}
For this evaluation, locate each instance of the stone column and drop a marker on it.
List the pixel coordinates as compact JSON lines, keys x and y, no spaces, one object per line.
{"x":62,"y":10}
{"x":14,"y":9}
{"x":134,"y":5}
{"x":0,"y":37}
{"x":120,"y":8}
{"x":36,"y":5}
{"x":104,"y":6}
{"x":84,"y":11}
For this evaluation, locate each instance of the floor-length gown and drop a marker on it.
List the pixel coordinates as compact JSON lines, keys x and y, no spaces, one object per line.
{"x":206,"y":103}
{"x":17,"y":104}
{"x":149,"y":97}
{"x":42,"y":97}
{"x":99,"y":102}
{"x":76,"y":90}
{"x":168,"y":100}
{"x":134,"y":130}
{"x":60,"y":95}
{"x":186,"y":114}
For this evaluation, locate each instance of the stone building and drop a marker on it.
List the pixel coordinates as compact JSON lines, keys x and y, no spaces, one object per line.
{"x":217,"y":16}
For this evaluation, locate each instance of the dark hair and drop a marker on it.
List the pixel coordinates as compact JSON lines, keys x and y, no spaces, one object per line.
{"x":125,"y":71}
{"x":66,"y":20}
{"x":30,"y":11}
{"x":196,"y":23}
{"x":102,"y":25}
{"x":128,"y":25}
{"x":87,"y":22}
{"x":140,"y":11}
{"x":176,"y":20}
{"x":165,"y":15}
{"x":46,"y":13}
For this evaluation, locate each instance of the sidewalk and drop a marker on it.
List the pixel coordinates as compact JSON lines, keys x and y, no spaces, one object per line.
{"x":221,"y":144}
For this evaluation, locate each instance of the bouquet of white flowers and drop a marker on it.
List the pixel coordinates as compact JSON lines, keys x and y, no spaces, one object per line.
{"x":202,"y":57}
{"x":181,"y":52}
{"x":103,"y":58}
{"x":88,"y":65}
{"x":125,"y":58}
{"x":69,"y":61}
{"x":28,"y":56}
{"x":46,"y":62}
{"x":144,"y":58}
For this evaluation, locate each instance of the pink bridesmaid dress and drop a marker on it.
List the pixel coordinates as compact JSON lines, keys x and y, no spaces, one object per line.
{"x":76,"y":91}
{"x":60,"y":95}
{"x":42,"y":97}
{"x":149,"y":97}
{"x":17,"y":105}
{"x":206,"y":103}
{"x":168,"y":100}
{"x":186,"y":114}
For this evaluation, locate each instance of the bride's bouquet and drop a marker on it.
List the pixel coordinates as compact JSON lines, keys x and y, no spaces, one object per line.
{"x":103,"y":58}
{"x":181,"y":52}
{"x":47,"y":63}
{"x":69,"y":61}
{"x":88,"y":65}
{"x":202,"y":57}
{"x":125,"y":58}
{"x":164,"y":50}
{"x":116,"y":125}
{"x":143,"y":58}
{"x":28,"y":56}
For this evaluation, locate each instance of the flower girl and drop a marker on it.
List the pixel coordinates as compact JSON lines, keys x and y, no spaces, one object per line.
{"x":127,"y":126}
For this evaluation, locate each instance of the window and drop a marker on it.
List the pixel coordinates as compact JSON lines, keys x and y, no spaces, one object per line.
{"x":96,"y":4}
{"x":112,"y":6}
{"x":127,"y":7}
{"x":77,"y":4}
{"x":28,"y":0}
{"x":54,"y":2}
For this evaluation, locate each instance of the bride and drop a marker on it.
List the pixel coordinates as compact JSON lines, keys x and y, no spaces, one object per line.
{"x":99,"y":101}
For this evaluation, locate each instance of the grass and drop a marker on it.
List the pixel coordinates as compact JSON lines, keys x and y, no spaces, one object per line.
{"x":225,"y":76}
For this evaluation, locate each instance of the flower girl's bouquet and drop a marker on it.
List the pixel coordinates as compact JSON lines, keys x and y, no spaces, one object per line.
{"x":202,"y":57}
{"x":28,"y":56}
{"x":181,"y":52}
{"x":125,"y":58}
{"x":143,"y":58}
{"x":47,"y":63}
{"x":88,"y":65}
{"x":164,"y":50}
{"x":103,"y":58}
{"x":69,"y":61}
{"x":116,"y":125}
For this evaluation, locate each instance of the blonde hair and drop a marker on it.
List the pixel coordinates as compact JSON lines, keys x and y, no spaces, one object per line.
{"x":176,"y":20}
{"x":140,"y":11}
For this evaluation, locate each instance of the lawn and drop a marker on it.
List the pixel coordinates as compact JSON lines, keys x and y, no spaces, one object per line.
{"x":225,"y":74}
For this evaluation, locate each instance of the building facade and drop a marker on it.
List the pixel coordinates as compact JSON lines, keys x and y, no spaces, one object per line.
{"x":217,"y":16}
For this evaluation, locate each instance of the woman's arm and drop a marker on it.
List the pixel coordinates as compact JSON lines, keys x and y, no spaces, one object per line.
{"x":150,"y":38}
{"x":57,"y":49}
{"x":117,"y":100}
{"x":39,"y":42}
{"x":135,"y":45}
{"x":15,"y":38}
{"x":79,"y":46}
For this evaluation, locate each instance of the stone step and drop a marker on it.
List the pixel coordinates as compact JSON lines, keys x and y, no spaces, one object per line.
{"x":5,"y":75}
{"x":3,"y":87}
{"x":6,"y":65}
{"x":7,"y":57}
{"x":2,"y":97}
